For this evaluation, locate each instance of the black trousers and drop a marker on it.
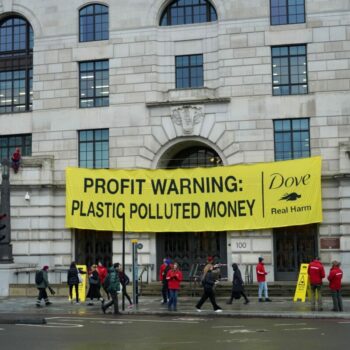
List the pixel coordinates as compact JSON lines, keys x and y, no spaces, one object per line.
{"x":165,"y":292}
{"x":113,"y":301}
{"x":125,"y":293}
{"x":208,"y":293}
{"x":42,"y":295}
{"x":233,"y":293}
{"x":76,"y":291}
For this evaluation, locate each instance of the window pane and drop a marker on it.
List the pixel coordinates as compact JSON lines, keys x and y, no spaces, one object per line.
{"x":93,"y":153}
{"x":189,"y":71}
{"x":186,"y":12}
{"x":290,"y":141}
{"x":289,"y":70}
{"x":94,"y":84}
{"x":93,"y":23}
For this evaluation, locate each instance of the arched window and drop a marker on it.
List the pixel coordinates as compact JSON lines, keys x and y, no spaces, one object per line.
{"x":93,"y":23}
{"x":196,"y":156}
{"x":188,"y":11}
{"x":16,"y":65}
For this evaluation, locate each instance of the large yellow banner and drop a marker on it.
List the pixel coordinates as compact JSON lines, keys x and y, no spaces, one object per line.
{"x":240,"y":197}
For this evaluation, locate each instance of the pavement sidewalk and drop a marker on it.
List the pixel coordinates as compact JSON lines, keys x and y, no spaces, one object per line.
{"x":22,"y":309}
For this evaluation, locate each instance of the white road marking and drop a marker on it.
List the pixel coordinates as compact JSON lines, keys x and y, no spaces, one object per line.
{"x":301,"y":329}
{"x":227,"y":326}
{"x":2,"y":329}
{"x":289,"y":324}
{"x":53,"y":325}
{"x":236,"y":331}
{"x":344,"y":322}
{"x":243,"y":340}
{"x":189,"y":319}
{"x":177,"y":343}
{"x":69,"y":319}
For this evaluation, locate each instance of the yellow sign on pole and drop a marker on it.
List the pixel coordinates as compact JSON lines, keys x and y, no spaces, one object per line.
{"x":82,"y":285}
{"x":303,"y":286}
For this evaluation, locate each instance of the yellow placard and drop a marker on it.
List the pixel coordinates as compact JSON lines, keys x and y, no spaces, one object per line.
{"x":241,"y":197}
{"x":82,"y":286}
{"x":303,"y":286}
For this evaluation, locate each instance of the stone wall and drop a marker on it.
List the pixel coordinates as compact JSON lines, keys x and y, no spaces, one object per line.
{"x":237,"y":105}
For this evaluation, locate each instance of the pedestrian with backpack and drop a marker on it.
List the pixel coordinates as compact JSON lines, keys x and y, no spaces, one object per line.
{"x":42,"y":282}
{"x":112,"y":285}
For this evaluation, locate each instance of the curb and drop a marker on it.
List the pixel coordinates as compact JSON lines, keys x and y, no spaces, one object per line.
{"x":224,"y":314}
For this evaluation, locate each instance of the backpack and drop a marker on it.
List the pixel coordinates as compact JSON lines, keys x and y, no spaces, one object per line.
{"x":39,"y":277}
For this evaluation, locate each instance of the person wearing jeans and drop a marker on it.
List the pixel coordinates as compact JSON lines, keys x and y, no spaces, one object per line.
{"x":261,"y":278}
{"x":174,"y":277}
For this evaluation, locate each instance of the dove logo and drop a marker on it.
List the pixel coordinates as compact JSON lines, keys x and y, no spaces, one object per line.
{"x":278,"y":181}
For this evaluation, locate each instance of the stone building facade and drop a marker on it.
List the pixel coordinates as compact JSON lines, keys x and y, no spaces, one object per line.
{"x":152,"y":119}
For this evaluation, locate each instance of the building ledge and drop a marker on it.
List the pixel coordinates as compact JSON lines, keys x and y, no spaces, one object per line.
{"x":177,"y":97}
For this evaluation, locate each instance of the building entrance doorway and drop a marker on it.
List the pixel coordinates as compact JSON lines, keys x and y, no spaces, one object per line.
{"x":188,"y":248}
{"x":92,"y":247}
{"x":293,"y":246}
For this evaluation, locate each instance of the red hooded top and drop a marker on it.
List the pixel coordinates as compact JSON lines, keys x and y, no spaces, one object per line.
{"x":102,"y":273}
{"x":260,"y":272}
{"x":316,"y":272}
{"x":174,"y":278}
{"x":334,"y":278}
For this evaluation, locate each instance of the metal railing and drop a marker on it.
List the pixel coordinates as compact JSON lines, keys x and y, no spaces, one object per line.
{"x":248,"y":274}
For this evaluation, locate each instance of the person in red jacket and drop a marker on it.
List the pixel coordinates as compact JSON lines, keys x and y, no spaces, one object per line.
{"x":261,"y":278}
{"x":334,"y":278}
{"x":174,"y":277}
{"x":316,"y":274}
{"x":102,"y":274}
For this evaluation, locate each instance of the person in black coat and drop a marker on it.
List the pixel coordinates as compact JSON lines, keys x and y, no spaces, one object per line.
{"x":94,"y":286}
{"x":124,"y":281}
{"x":73,"y":281}
{"x":209,"y":280}
{"x":237,"y":286}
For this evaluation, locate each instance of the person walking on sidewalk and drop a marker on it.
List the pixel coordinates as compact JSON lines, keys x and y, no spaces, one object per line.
{"x":208,"y":283}
{"x":102,"y":274}
{"x":335,"y":276}
{"x":174,"y":277}
{"x":316,"y":274}
{"x":42,"y":282}
{"x":124,"y":281}
{"x":164,"y":268}
{"x":112,"y":285}
{"x":237,"y":286}
{"x":261,"y":278}
{"x":73,"y":281}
